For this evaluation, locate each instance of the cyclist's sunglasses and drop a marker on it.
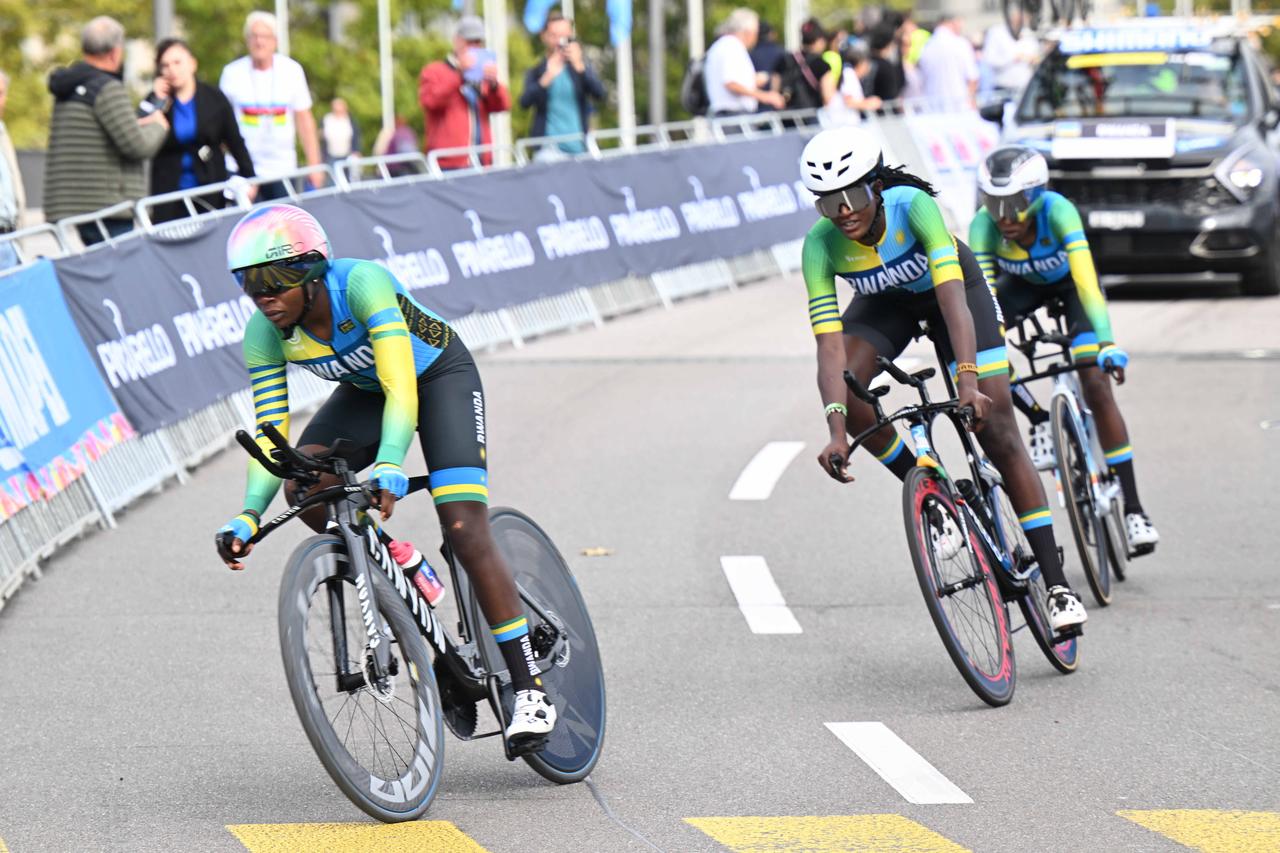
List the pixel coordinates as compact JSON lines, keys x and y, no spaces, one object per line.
{"x":854,"y":199}
{"x":1011,"y":207}
{"x":275,"y":277}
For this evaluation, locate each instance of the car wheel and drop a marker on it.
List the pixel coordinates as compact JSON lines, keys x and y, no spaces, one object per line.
{"x":1263,"y":280}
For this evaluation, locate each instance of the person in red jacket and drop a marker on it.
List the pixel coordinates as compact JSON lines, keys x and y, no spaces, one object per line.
{"x":458,"y":94}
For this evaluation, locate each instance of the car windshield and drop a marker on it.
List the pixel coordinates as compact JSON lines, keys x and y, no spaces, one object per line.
{"x":1200,"y":84}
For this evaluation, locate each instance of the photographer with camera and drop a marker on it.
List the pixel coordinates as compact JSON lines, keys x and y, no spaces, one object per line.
{"x":559,"y":87}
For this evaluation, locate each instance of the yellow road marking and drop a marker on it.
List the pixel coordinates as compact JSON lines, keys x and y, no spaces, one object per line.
{"x":3,"y":849}
{"x":438,"y":836}
{"x":1214,"y":831}
{"x":881,"y":833}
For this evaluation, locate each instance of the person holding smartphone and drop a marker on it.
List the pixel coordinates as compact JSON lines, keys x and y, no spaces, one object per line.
{"x":202,"y":131}
{"x":560,"y":88}
{"x":459,"y":93}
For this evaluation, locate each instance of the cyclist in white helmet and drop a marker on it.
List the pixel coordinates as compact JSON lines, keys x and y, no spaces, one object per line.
{"x":1031,"y":246}
{"x":883,"y":233}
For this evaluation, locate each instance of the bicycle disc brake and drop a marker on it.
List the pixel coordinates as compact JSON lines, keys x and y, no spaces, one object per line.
{"x":459,"y":710}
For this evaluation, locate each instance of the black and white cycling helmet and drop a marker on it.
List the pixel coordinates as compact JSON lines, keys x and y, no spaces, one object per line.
{"x":838,"y":160}
{"x":1012,"y":179}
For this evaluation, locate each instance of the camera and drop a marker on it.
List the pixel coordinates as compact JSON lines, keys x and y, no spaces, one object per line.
{"x":565,"y":41}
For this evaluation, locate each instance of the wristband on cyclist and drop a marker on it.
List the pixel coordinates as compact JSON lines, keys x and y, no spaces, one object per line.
{"x":966,"y":367}
{"x":837,"y":407}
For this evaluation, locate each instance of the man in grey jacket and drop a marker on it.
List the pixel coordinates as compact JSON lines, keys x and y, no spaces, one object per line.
{"x":97,"y":145}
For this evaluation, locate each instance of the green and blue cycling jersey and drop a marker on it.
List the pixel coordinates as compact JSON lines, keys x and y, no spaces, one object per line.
{"x":383,"y":340}
{"x":1059,"y":253}
{"x":916,"y":253}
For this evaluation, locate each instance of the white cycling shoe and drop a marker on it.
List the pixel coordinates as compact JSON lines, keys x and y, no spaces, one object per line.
{"x":531,"y":721}
{"x":1041,"y":441}
{"x":1065,"y":609}
{"x":1141,"y":533}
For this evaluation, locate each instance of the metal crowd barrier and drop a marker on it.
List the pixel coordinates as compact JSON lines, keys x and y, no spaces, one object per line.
{"x":147,"y":463}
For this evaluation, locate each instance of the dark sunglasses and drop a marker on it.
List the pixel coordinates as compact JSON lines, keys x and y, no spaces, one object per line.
{"x":854,"y":199}
{"x":274,"y":278}
{"x":1009,"y":207}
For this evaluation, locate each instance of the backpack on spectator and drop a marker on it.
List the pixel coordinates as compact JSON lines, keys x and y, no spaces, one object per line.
{"x":693,"y":89}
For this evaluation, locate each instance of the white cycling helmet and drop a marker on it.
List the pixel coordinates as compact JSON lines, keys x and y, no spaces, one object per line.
{"x":838,"y":158}
{"x":1012,"y":179}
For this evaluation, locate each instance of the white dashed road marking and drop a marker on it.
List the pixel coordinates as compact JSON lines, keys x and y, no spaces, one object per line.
{"x":916,"y":780}
{"x":758,"y":596}
{"x":757,"y":480}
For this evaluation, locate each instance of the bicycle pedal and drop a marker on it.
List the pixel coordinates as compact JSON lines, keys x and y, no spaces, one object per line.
{"x":526,"y":746}
{"x":1068,"y":634}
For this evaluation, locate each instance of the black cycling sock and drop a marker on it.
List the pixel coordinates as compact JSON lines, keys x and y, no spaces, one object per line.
{"x":897,"y":458}
{"x":1129,"y":485}
{"x":513,"y":642}
{"x":1026,"y":403}
{"x":1037,"y":525}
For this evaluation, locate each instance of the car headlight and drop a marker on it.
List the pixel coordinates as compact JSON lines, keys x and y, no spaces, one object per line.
{"x":1242,"y":173}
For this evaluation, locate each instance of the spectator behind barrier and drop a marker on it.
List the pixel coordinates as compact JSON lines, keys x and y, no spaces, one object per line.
{"x":202,"y":132}
{"x":730,"y":77}
{"x":808,"y":81}
{"x":459,"y":93}
{"x":1009,"y":61}
{"x":97,"y":145}
{"x":851,"y":101}
{"x":341,"y":134}
{"x":949,"y":68}
{"x":272,"y":103}
{"x":885,"y":79}
{"x":399,"y":140}
{"x":557,"y":89}
{"x":766,"y":58}
{"x":13,"y":196}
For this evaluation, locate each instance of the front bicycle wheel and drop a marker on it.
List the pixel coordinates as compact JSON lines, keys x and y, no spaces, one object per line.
{"x":575,"y":680}
{"x":1064,"y":654}
{"x":959,"y":589}
{"x":1077,"y":488}
{"x":380,"y":738}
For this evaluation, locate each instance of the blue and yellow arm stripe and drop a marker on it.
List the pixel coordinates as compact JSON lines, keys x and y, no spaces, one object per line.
{"x":824,"y":314}
{"x":459,"y":484}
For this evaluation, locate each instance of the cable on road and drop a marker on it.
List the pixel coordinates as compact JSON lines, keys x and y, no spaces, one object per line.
{"x":604,"y":806}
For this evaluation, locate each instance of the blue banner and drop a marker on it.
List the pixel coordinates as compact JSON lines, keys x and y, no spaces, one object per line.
{"x":55,"y":412}
{"x":535,"y":14}
{"x":619,"y":20}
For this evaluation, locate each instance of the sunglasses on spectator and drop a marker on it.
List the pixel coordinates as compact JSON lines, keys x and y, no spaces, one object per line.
{"x":275,"y":277}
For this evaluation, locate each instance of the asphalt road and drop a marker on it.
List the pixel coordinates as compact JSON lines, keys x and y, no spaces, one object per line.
{"x":143,"y":703}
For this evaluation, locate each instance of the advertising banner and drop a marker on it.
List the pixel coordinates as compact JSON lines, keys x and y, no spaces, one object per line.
{"x":55,"y":413}
{"x":164,"y":320}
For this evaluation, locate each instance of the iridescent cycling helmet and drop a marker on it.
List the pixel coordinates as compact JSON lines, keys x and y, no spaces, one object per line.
{"x":275,"y":233}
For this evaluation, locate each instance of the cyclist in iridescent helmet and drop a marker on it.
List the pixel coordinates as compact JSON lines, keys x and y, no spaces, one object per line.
{"x":1031,"y":245}
{"x":882,"y":232}
{"x":400,"y":369}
